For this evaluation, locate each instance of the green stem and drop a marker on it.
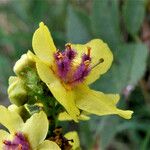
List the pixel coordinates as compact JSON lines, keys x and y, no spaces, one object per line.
{"x":52,"y":109}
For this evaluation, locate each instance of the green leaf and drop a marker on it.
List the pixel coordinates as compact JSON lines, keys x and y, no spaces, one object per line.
{"x":19,"y":9}
{"x":139,"y":58}
{"x":133,"y":13}
{"x":145,"y":142}
{"x":86,"y":135}
{"x":15,"y":10}
{"x":107,"y":130}
{"x":77,"y":26}
{"x":105,"y":21}
{"x":110,"y":126}
{"x":39,"y":10}
{"x":128,"y":67}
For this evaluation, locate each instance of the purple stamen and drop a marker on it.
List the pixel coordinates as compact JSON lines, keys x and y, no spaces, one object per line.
{"x":57,"y":55}
{"x":65,"y":68}
{"x":70,"y":54}
{"x":64,"y":62}
{"x":19,"y":143}
{"x":81,"y":72}
{"x":86,"y":57}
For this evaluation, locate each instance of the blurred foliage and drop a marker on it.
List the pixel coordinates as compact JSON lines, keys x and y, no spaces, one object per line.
{"x":124,"y":25}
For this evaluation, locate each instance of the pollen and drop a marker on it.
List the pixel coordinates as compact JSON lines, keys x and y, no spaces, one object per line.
{"x":87,"y":63}
{"x":60,"y":56}
{"x":19,"y":147}
{"x":68,"y":46}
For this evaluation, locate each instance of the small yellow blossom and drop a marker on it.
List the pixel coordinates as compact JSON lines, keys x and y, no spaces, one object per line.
{"x":68,"y":74}
{"x":24,"y":135}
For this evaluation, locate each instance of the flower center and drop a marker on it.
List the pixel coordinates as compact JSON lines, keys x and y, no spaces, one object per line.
{"x":68,"y":71}
{"x":18,"y":143}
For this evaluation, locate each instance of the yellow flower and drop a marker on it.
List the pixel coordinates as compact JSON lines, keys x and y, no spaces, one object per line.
{"x":28,"y":135}
{"x":68,"y":74}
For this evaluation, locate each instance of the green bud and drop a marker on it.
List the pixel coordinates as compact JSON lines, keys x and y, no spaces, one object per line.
{"x":26,"y":61}
{"x":17,"y":91}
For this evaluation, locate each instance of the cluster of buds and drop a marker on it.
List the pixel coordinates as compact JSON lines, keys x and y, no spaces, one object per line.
{"x":29,"y":95}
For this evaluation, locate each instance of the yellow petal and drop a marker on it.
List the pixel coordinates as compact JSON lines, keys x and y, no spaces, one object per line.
{"x":31,"y":56}
{"x":98,"y":103}
{"x":43,"y":44}
{"x":14,"y":108}
{"x":3,"y":136}
{"x":36,"y":128}
{"x":73,"y":136}
{"x":21,"y":111}
{"x":48,"y":145}
{"x":64,"y":116}
{"x":99,"y":50}
{"x":11,"y":120}
{"x":84,"y":116}
{"x":63,"y":96}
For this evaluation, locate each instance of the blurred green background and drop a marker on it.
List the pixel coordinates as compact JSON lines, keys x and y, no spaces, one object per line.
{"x":124,"y":25}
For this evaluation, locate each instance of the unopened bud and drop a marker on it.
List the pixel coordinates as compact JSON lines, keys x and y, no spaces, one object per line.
{"x":26,"y":61}
{"x":17,"y":91}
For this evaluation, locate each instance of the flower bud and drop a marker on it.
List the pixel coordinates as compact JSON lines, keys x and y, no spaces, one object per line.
{"x":21,"y":110}
{"x":26,"y":61}
{"x":17,"y":91}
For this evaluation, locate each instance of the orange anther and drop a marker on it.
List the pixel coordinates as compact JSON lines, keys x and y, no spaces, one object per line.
{"x":19,"y":147}
{"x":5,"y":142}
{"x":89,"y":51}
{"x":86,"y":63}
{"x":59,"y":55}
{"x":68,"y":45}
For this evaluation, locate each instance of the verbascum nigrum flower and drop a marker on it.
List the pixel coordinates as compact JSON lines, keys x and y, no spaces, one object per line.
{"x":69,"y":73}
